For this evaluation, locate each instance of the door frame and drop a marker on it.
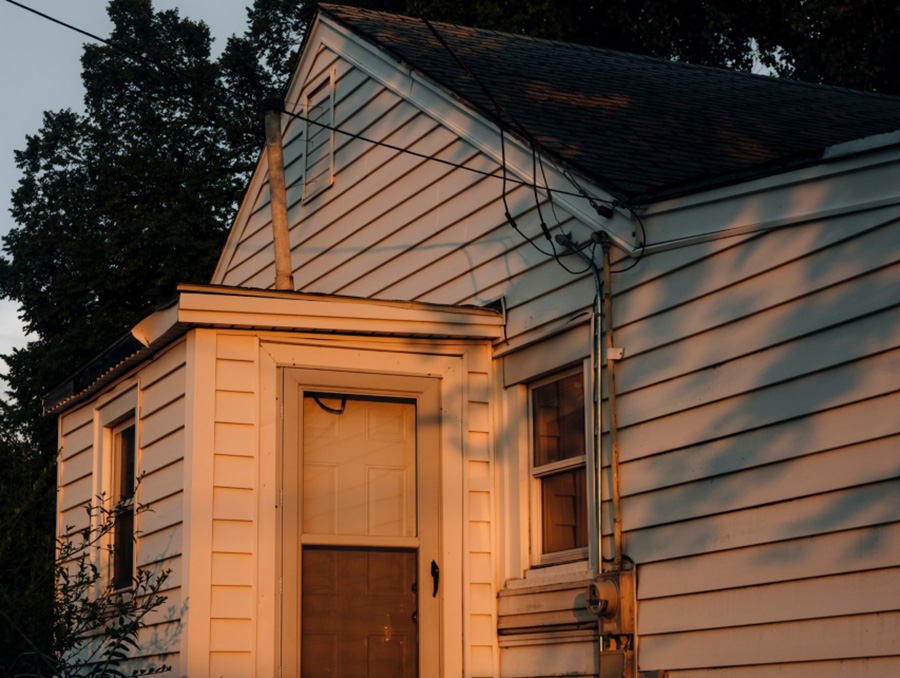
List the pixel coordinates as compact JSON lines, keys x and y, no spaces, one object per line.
{"x":425,"y":391}
{"x":450,"y":363}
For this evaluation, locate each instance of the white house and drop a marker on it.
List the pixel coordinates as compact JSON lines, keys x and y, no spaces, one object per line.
{"x":392,"y":470}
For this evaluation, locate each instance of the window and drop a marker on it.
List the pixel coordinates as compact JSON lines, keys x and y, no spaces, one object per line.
{"x":122,"y":546}
{"x":319,"y":146}
{"x":558,"y":466}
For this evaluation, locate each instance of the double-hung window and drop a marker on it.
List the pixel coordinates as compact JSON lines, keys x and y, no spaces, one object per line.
{"x":558,"y":467}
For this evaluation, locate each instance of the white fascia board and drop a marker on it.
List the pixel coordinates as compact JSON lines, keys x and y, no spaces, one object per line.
{"x":211,"y":307}
{"x":334,"y":315}
{"x":863,"y":145}
{"x":457,"y":116}
{"x":852,"y":181}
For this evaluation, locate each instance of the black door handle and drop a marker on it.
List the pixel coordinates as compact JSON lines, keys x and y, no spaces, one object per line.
{"x":436,"y":577}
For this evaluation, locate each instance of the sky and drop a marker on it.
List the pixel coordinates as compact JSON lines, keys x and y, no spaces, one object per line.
{"x":40,"y":70}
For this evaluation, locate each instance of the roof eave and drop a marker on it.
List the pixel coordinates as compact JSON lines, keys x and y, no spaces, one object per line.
{"x":266,"y":310}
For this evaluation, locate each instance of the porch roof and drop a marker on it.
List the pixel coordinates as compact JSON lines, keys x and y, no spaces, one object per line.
{"x":268,"y":310}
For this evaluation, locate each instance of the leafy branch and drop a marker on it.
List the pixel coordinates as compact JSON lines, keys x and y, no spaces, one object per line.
{"x":96,"y":626}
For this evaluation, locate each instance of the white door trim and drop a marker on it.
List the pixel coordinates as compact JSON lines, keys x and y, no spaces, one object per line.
{"x":447,"y":363}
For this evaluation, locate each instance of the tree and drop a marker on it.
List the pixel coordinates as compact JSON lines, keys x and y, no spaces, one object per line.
{"x":114,"y":208}
{"x":850,"y":43}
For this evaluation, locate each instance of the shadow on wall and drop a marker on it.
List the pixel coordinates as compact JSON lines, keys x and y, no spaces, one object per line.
{"x":755,"y":413}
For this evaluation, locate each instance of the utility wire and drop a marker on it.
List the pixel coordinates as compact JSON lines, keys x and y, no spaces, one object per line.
{"x":581,"y":193}
{"x":181,"y":76}
{"x":517,"y":127}
{"x":499,"y":111}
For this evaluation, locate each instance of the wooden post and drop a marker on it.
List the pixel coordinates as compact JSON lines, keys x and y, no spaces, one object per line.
{"x":284,"y":279}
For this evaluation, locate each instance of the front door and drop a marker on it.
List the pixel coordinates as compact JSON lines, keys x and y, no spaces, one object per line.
{"x":361,"y":548}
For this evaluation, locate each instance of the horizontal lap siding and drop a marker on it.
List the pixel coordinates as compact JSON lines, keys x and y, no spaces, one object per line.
{"x":875,"y":667}
{"x":761,"y":453}
{"x":758,"y":394}
{"x":75,"y":473}
{"x":159,"y":407}
{"x":161,"y":467}
{"x":234,"y":514}
{"x":395,"y":226}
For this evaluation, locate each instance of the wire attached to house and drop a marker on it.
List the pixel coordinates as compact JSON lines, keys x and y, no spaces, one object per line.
{"x":597,"y":203}
{"x":330,"y":410}
{"x":180,"y":77}
{"x":602,"y":206}
{"x":498,"y":111}
{"x":516,"y":126}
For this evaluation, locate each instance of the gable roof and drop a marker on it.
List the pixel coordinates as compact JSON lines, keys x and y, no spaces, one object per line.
{"x":639,"y":126}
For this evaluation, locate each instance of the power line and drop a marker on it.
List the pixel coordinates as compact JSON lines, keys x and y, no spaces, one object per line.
{"x":181,"y":76}
{"x":499,"y":111}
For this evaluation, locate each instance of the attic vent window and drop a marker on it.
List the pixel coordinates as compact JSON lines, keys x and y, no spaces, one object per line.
{"x":319,"y":147}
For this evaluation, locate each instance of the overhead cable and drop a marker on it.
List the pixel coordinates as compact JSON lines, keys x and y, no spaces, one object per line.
{"x":181,"y":76}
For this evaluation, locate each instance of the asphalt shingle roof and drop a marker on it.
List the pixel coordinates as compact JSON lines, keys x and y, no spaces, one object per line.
{"x":638,"y":125}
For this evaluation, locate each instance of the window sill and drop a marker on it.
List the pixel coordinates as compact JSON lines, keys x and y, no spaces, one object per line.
{"x":564,"y":573}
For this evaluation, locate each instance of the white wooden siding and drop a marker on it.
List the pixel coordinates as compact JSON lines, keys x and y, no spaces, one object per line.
{"x":159,"y":413}
{"x":240,"y":478}
{"x":234,"y":497}
{"x":394,"y":226}
{"x":762,"y":453}
{"x":761,"y":447}
{"x":758,"y":394}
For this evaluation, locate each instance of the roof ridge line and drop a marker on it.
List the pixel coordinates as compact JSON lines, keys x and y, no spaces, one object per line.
{"x":663,"y":61}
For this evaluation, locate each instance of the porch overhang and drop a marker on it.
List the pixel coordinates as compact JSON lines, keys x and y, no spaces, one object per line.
{"x":270,"y":311}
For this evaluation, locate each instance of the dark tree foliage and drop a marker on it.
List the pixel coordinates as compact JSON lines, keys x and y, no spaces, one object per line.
{"x":114,"y":207}
{"x":27,"y":546}
{"x":119,"y":204}
{"x":850,"y":43}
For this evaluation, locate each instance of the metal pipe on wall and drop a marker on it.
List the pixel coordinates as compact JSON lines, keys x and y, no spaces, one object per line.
{"x":284,"y":279}
{"x":613,"y":424}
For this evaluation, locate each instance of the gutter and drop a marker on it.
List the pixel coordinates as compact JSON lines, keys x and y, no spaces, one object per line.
{"x":128,"y":350}
{"x":270,"y":311}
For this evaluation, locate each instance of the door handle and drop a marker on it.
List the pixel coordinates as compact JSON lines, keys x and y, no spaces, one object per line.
{"x":435,"y":577}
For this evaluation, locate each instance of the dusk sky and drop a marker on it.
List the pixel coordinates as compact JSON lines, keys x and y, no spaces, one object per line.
{"x":41,"y":70}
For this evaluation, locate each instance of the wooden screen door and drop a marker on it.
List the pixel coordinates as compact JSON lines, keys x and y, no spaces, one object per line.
{"x":361,"y":564}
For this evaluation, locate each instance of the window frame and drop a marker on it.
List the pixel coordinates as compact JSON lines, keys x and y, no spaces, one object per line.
{"x":115,"y":579}
{"x":536,"y":474}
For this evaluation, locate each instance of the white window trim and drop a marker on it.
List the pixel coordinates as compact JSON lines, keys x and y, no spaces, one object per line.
{"x":537,"y":557}
{"x":110,"y":417}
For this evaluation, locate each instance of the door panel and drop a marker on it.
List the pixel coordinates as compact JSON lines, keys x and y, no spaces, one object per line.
{"x":361,"y":471}
{"x":359,"y":466}
{"x":358,"y":611}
